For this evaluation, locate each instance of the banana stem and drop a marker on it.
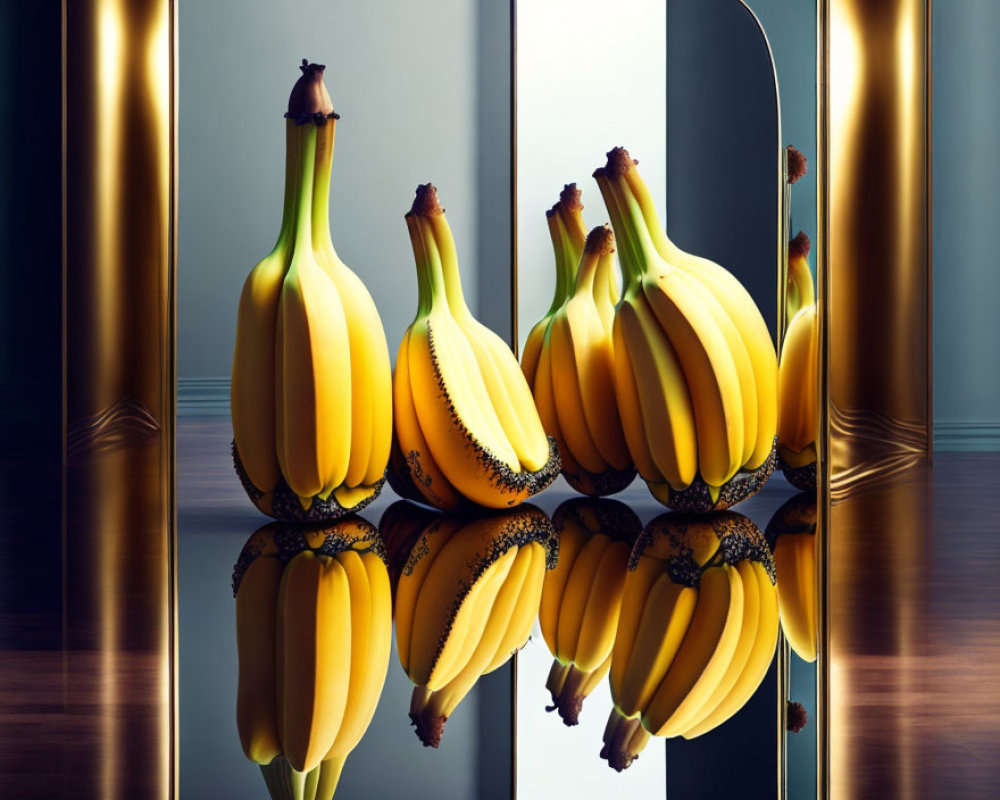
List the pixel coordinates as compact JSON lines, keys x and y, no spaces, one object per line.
{"x":307,"y":158}
{"x":445,"y":243}
{"x":322,"y":239}
{"x":566,"y":262}
{"x":430,"y":275}
{"x":292,"y":178}
{"x":329,"y":777}
{"x":586,"y":273}
{"x":628,"y":236}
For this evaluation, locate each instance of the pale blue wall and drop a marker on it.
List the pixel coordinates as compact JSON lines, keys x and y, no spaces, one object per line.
{"x":419,"y":102}
{"x":966,"y":49}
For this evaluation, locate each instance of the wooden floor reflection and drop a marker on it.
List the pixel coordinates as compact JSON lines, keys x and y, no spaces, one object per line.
{"x":915,"y":648}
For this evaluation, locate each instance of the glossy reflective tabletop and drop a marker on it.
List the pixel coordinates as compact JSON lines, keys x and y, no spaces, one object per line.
{"x":915,"y":666}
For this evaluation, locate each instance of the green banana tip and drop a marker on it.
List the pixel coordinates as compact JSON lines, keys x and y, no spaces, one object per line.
{"x":426,"y":202}
{"x":569,"y":199}
{"x":799,"y":246}
{"x":796,"y":164}
{"x":309,"y":100}
{"x":619,"y":162}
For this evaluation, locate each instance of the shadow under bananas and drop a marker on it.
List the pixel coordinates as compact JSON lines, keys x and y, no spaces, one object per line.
{"x":466,"y":594}
{"x":314,"y":633}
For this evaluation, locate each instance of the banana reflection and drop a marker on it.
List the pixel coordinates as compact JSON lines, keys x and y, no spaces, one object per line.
{"x":697,"y":631}
{"x":467,"y":596}
{"x":792,"y":534}
{"x":313,"y":632}
{"x":582,"y":597}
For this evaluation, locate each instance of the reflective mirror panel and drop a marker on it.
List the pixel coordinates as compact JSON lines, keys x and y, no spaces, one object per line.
{"x":791,"y":29}
{"x":422,"y":96}
{"x":709,"y":175}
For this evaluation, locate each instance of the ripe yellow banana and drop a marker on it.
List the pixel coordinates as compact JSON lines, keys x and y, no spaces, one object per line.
{"x":792,"y":533}
{"x":697,"y":630}
{"x":469,"y":429}
{"x":507,"y":629}
{"x":568,"y":233}
{"x":798,"y":374}
{"x":800,"y":291}
{"x":314,"y":629}
{"x":799,"y":408}
{"x":582,"y":596}
{"x":306,"y":448}
{"x":720,"y":353}
{"x":570,"y":363}
{"x":467,"y":597}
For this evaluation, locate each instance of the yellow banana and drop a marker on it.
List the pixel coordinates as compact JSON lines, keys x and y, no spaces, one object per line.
{"x":569,"y":356}
{"x":733,"y":297}
{"x":696,"y":633}
{"x":477,"y":425}
{"x":582,"y":597}
{"x":799,"y":410}
{"x":719,"y":344}
{"x":508,"y":626}
{"x":314,"y":627}
{"x":449,"y":585}
{"x":800,"y":291}
{"x":305,"y":448}
{"x":568,"y":233}
{"x":792,"y":532}
{"x":256,"y":642}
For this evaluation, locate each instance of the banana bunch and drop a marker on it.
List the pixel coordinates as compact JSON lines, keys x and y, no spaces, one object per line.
{"x":568,"y":357}
{"x":697,"y":630}
{"x":582,"y":597}
{"x":313,"y":633}
{"x":311,"y":391}
{"x":792,"y":534}
{"x":466,"y":424}
{"x":798,"y":389}
{"x":695,"y":368}
{"x":466,"y":600}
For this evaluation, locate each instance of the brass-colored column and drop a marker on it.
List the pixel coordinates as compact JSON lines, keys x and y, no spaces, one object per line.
{"x":118,"y":376}
{"x":876,"y":270}
{"x":875,"y":295}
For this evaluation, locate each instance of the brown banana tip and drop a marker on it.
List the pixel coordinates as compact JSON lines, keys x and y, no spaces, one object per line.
{"x":797,"y":716}
{"x":619,"y":162}
{"x":309,"y":100}
{"x":600,"y":240}
{"x":426,"y":203}
{"x":799,"y":246}
{"x":796,"y":162}
{"x":569,"y":199}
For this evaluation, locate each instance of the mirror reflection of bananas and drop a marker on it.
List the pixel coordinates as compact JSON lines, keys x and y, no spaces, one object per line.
{"x":792,"y":534}
{"x":568,"y":358}
{"x":695,"y":367}
{"x":312,"y":388}
{"x":582,"y":596}
{"x":313,"y":632}
{"x":697,"y":631}
{"x":466,"y":424}
{"x":466,"y":600}
{"x":798,"y":388}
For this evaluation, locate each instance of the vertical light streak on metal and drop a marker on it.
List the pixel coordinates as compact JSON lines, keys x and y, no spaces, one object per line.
{"x":109,"y":48}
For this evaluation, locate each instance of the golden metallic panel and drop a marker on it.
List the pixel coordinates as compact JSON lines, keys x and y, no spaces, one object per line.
{"x":877,"y":261}
{"x":874,"y":303}
{"x":118,"y":493}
